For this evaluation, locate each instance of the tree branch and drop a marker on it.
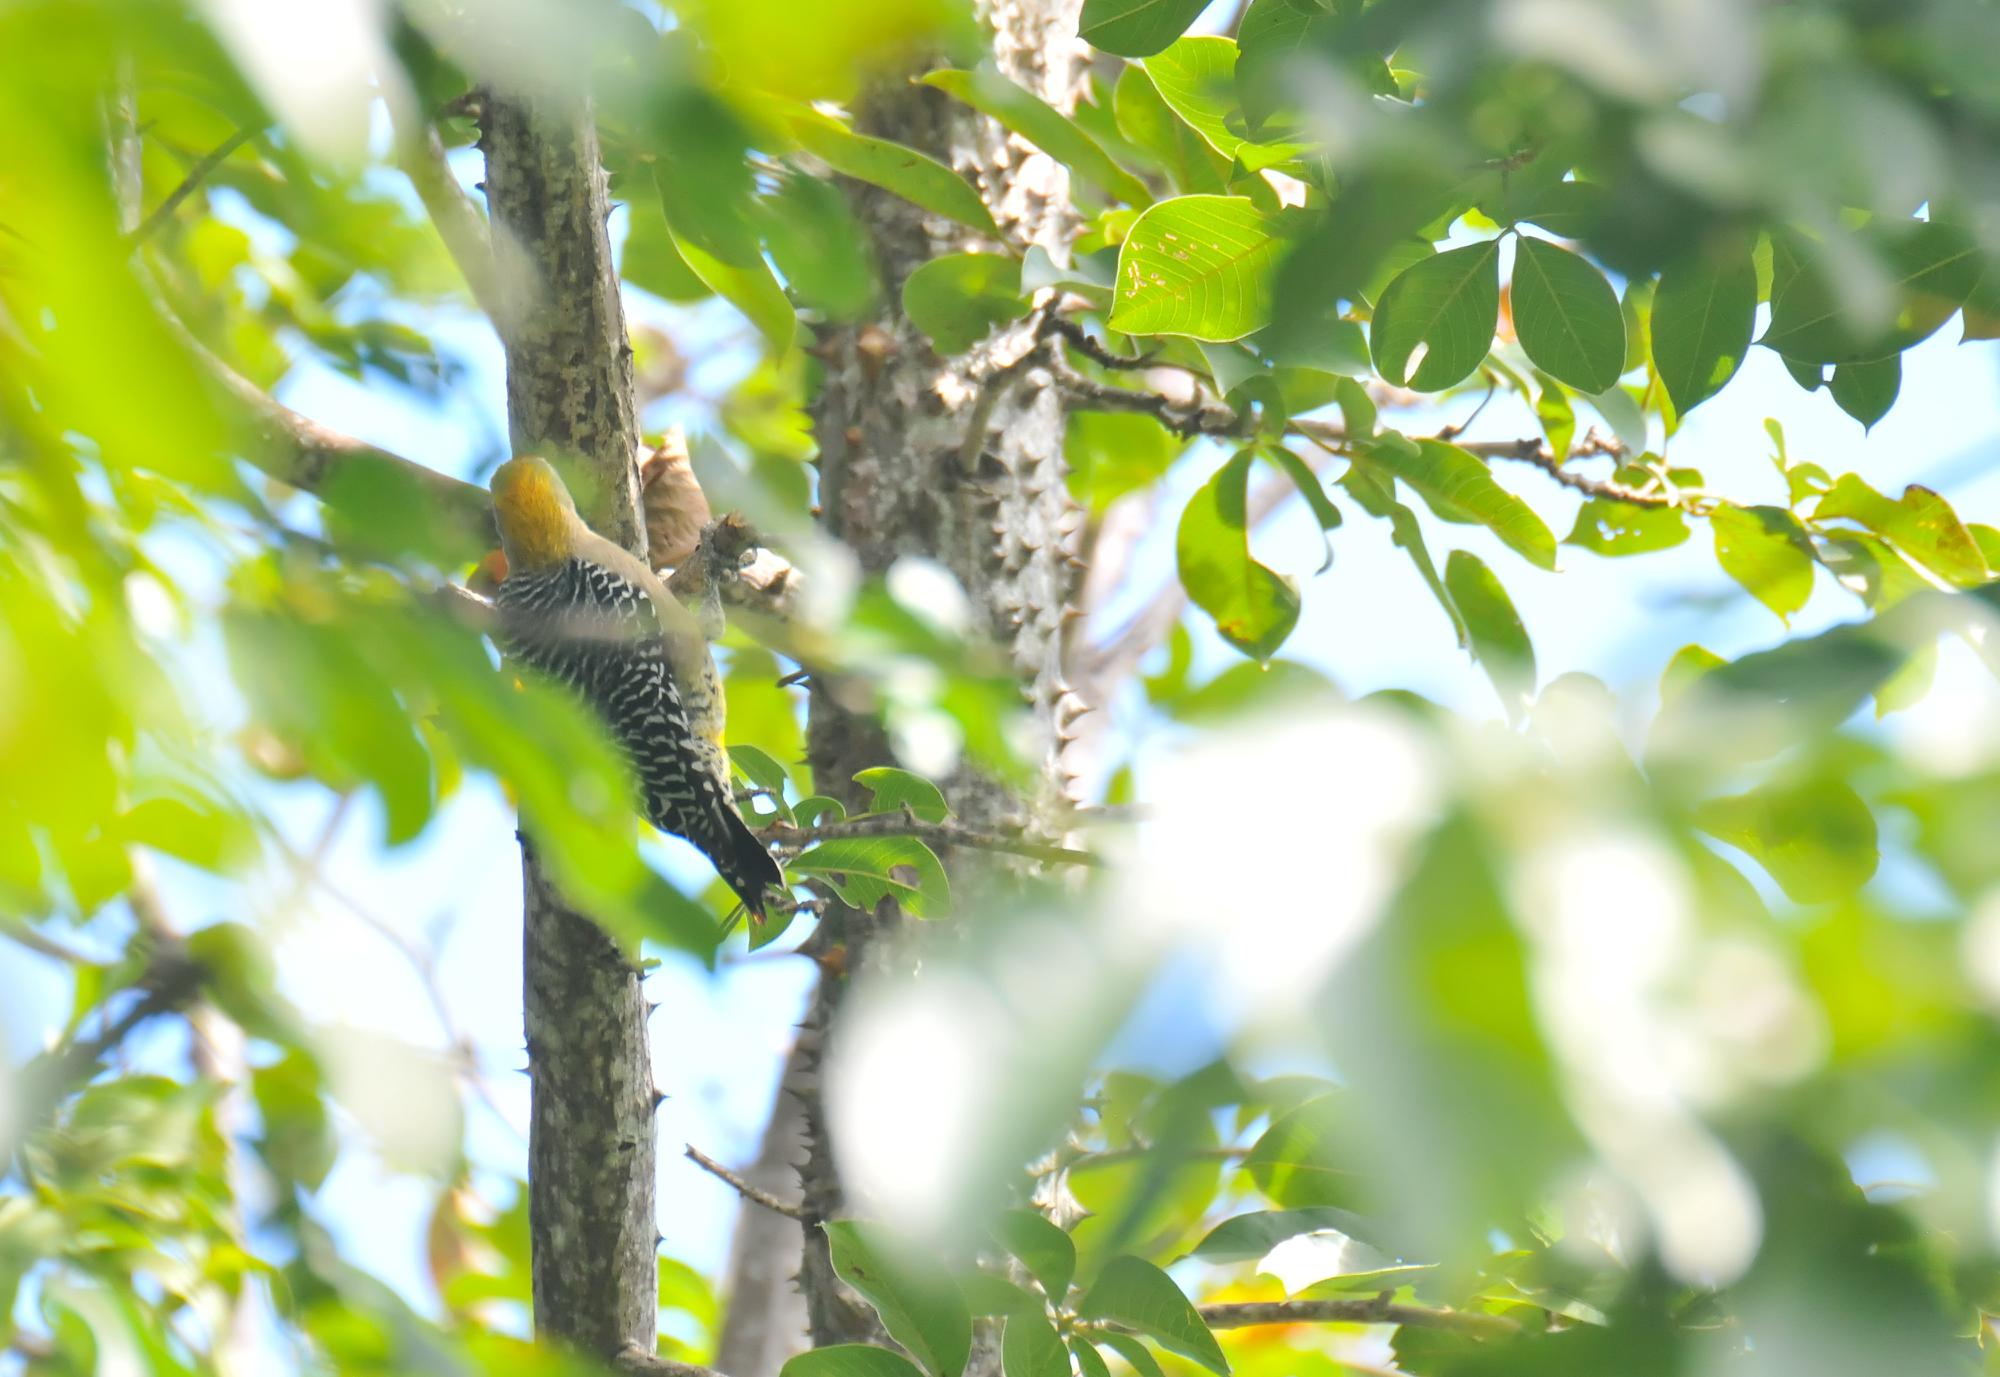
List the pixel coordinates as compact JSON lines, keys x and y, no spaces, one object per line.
{"x":170,"y":981}
{"x":748,"y":1190}
{"x":636,"y":1361}
{"x":904,"y":824}
{"x":1376,"y":1310}
{"x":196,"y":175}
{"x":420,"y":153}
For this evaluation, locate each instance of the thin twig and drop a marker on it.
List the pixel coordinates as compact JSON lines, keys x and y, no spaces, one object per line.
{"x":1375,"y":1310}
{"x":1090,"y":346}
{"x":420,"y":153}
{"x":170,"y":982}
{"x":41,"y":944}
{"x":796,"y":839}
{"x":747,"y":1189}
{"x":196,"y":175}
{"x":1195,"y":418}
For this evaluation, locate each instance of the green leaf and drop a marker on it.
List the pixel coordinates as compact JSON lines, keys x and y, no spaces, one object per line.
{"x":1046,"y":1251}
{"x":1704,"y":313}
{"x":1032,"y":1348}
{"x":1270,"y":38}
{"x":1135,"y":1293}
{"x":866,"y":870}
{"x":1137,"y":1356}
{"x":986,"y":1294}
{"x":1556,"y":415}
{"x":1499,"y":641}
{"x":1136,"y":28}
{"x":1687,"y":666}
{"x":1449,"y":304}
{"x":1310,"y":488}
{"x":958,"y":298}
{"x":1249,"y":1237}
{"x":849,"y":1360}
{"x":894,"y":790}
{"x":1567,"y":316}
{"x":1921,"y":524}
{"x":760,"y":768}
{"x":988,"y":91}
{"x":1458,"y":487}
{"x":298,"y":1141}
{"x":751,"y":290}
{"x":1932,"y":266}
{"x":1611,"y":528}
{"x":205,"y":836}
{"x":1254,"y":608}
{"x":1199,"y":266}
{"x":702,"y":173}
{"x":1816,"y":838}
{"x":650,"y":261}
{"x":1152,"y":126}
{"x":818,"y":247}
{"x":1089,"y":1362}
{"x":1374,"y":490}
{"x":1866,"y":391}
{"x":1196,"y":77}
{"x":1112,"y":453}
{"x":919,"y":1303}
{"x":1570,"y":209}
{"x":1294,"y":1162}
{"x":1766,"y":550}
{"x":918,"y":179}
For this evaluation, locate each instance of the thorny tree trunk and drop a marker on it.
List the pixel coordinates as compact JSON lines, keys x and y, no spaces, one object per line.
{"x":569,"y":389}
{"x":893,"y":421}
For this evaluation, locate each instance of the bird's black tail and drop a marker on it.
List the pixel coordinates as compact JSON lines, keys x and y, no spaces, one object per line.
{"x":744,"y":863}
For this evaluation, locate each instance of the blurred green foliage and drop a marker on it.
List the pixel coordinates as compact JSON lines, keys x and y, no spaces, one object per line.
{"x":1605,"y":1050}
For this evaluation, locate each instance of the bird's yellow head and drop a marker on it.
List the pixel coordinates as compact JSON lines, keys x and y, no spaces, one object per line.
{"x":534,"y":512}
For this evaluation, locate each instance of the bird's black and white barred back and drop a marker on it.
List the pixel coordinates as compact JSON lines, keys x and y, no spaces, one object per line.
{"x":594,"y":631}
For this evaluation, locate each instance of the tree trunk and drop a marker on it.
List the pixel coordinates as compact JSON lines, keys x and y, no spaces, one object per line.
{"x":900,"y":475}
{"x":569,"y":391}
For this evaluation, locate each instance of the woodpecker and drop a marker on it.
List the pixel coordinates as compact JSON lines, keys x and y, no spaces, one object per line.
{"x":593,"y":617}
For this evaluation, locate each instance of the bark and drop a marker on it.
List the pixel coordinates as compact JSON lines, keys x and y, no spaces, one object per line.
{"x":959,"y":460}
{"x":569,"y":391}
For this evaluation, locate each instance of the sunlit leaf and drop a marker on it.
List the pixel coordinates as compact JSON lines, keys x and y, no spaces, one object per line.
{"x":915,"y":177}
{"x":1048,"y":129}
{"x":1254,"y":608}
{"x":1197,"y":77}
{"x":1459,"y":487}
{"x":1920,"y":523}
{"x":1817,"y":838}
{"x":892,"y":790}
{"x":1199,"y":266}
{"x":1766,"y":550}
